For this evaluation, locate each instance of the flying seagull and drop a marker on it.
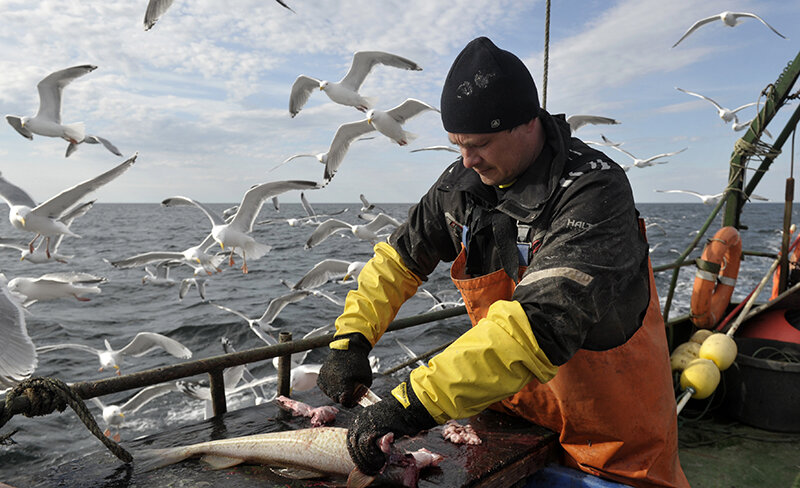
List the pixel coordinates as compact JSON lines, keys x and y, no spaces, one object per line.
{"x":235,"y":233}
{"x":731,"y":19}
{"x":43,"y":220}
{"x":725,"y":114}
{"x":644,"y":163}
{"x":142,"y":343}
{"x":577,"y":121}
{"x":17,"y":352}
{"x":156,"y":8}
{"x":345,"y":91}
{"x":73,"y":146}
{"x":389,"y":123}
{"x":367,"y":232}
{"x":114,"y":415}
{"x":47,"y":121}
{"x":52,"y":286}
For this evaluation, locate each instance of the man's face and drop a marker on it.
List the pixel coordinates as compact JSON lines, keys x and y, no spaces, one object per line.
{"x":500,"y":157}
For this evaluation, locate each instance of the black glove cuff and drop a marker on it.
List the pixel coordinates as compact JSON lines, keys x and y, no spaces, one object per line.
{"x":416,"y":413}
{"x":358,"y":342}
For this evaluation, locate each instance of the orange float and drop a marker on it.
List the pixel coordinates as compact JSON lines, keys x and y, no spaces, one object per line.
{"x":715,"y":280}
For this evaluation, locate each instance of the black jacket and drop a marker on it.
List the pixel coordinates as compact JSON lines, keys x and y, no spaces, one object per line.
{"x":587,"y":282}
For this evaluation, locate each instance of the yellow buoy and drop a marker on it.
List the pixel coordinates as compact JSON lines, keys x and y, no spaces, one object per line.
{"x":702,"y":375}
{"x":701,"y":335}
{"x":719,"y":348}
{"x":683,"y":355}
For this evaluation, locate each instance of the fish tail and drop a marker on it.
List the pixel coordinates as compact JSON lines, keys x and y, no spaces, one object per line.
{"x":150,"y":459}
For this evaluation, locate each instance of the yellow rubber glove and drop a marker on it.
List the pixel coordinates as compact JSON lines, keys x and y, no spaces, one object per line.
{"x":383,"y":286}
{"x":488,"y":363}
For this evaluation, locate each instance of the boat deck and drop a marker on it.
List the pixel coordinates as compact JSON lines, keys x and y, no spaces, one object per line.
{"x":512,"y":449}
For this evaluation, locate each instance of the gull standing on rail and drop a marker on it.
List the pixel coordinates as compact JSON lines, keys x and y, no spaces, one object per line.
{"x":235,"y":233}
{"x":43,"y":220}
{"x":725,"y":114}
{"x":142,"y":343}
{"x":17,"y":352}
{"x":389,"y":123}
{"x":47,"y":121}
{"x":345,"y":91}
{"x":731,"y":19}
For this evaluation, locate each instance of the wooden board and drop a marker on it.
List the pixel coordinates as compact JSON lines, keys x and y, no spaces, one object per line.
{"x":511,"y":450}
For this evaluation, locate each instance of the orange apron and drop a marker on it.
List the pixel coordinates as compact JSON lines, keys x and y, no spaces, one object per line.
{"x":615,"y":410}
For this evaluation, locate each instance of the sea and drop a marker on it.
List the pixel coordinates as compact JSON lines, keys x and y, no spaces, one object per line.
{"x":128,"y":305}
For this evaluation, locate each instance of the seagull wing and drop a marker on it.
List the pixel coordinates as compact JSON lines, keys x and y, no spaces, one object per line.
{"x":176,"y":201}
{"x":289,"y":159}
{"x":17,"y":353}
{"x":719,"y":107}
{"x":345,"y":134}
{"x":365,"y":202}
{"x":73,"y":277}
{"x":381,"y":221}
{"x":321,"y":273}
{"x":145,"y":258}
{"x":577,"y":121}
{"x":16,"y":123}
{"x":364,"y":61}
{"x":301,"y":90}
{"x":146,"y":394}
{"x":408,"y":109}
{"x":57,"y":205}
{"x":237,"y":313}
{"x":743,"y":106}
{"x":50,"y":90}
{"x":279,"y":303}
{"x":625,"y":152}
{"x":145,"y":342}
{"x":155,"y":9}
{"x":665,"y":155}
{"x":695,"y":26}
{"x":14,"y":195}
{"x":10,"y":243}
{"x":682,"y":191}
{"x":324,"y":230}
{"x":55,"y":347}
{"x":748,"y":14}
{"x":76,"y":212}
{"x":254,"y":198}
{"x":437,"y":148}
{"x":105,"y":142}
{"x":307,"y":206}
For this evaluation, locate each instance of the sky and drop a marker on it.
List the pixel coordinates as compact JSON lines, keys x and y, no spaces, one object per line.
{"x":203,"y":96}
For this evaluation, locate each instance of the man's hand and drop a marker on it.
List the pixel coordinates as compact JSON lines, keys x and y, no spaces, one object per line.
{"x":346,"y":371}
{"x":377,"y":420}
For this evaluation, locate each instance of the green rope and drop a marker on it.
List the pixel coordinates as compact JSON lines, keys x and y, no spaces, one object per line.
{"x":45,"y":395}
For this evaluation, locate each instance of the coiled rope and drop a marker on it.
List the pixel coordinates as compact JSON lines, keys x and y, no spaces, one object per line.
{"x":46,"y":395}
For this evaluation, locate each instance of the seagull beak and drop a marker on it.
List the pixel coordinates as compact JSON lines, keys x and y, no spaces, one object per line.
{"x":22,"y":219}
{"x":122,"y":415}
{"x":369,"y":121}
{"x":222,"y":246}
{"x":346,"y":277}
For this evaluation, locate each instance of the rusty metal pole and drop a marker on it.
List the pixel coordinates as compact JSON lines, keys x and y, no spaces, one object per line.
{"x":284,"y":367}
{"x":216,"y":383}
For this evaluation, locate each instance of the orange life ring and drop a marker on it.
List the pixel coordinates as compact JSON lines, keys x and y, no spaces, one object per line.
{"x":717,"y":270}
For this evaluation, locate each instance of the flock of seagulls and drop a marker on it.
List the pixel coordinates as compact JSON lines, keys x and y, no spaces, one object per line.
{"x":231,"y":231}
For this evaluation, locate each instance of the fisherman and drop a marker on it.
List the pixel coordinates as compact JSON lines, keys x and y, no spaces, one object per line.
{"x":553,"y":265}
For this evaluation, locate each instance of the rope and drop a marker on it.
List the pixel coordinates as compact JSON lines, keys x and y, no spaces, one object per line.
{"x":546,"y":53}
{"x":759,"y":148}
{"x":46,"y":395}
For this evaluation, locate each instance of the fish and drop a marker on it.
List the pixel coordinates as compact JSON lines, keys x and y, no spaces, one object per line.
{"x":316,"y":451}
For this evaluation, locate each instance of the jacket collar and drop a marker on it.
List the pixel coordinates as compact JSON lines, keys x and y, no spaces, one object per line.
{"x":526,"y":198}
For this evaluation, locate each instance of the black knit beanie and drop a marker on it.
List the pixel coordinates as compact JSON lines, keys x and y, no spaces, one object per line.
{"x":487,"y":90}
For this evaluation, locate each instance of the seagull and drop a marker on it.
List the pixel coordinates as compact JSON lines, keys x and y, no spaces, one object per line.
{"x":440,"y":303}
{"x":709,"y":199}
{"x":367,"y":232}
{"x":43,"y":220}
{"x":725,"y":114}
{"x":606,"y":142}
{"x":321,"y":157}
{"x":577,"y":121}
{"x":17,"y":353}
{"x":389,"y":123}
{"x":327,"y":270}
{"x":262,"y":324}
{"x":38,"y":256}
{"x":52,"y":286}
{"x":644,"y":163}
{"x":438,"y":148}
{"x":366,"y":206}
{"x":345,"y":91}
{"x":47,"y":121}
{"x":142,"y":343}
{"x":738,"y":126}
{"x":187,"y":283}
{"x":731,"y":19}
{"x":234,"y":234}
{"x":195,"y":257}
{"x":160,"y":276}
{"x":114,"y":415}
{"x":156,"y":8}
{"x":73,"y":146}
